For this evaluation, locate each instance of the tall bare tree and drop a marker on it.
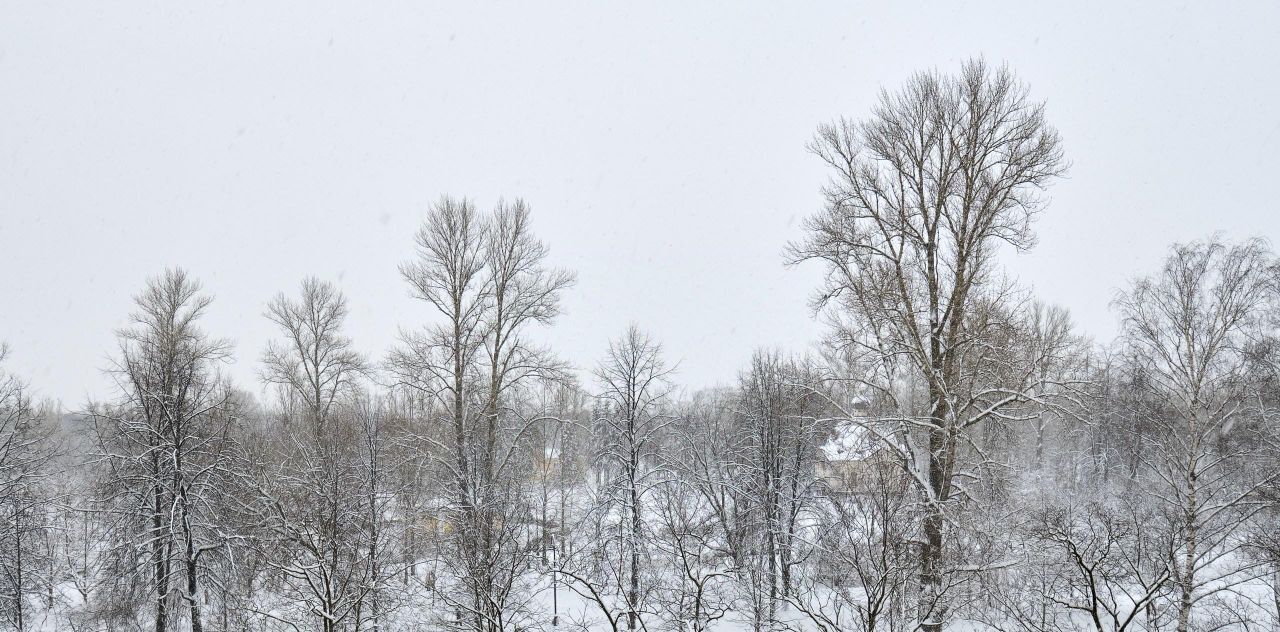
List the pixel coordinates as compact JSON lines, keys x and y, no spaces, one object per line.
{"x":487,"y":280}
{"x":923,"y":193}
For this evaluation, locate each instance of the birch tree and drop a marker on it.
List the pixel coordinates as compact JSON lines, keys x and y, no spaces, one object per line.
{"x":1191,"y":326}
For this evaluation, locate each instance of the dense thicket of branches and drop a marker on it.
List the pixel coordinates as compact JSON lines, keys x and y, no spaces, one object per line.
{"x":953,"y":455}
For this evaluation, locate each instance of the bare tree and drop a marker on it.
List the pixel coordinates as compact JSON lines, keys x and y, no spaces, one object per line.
{"x":315,"y":363}
{"x":312,"y":490}
{"x":924,"y":191}
{"x":862,"y":554}
{"x":168,"y":453}
{"x":1054,"y":353}
{"x":383,"y":453}
{"x":1191,"y":327}
{"x":709,"y":456}
{"x":487,"y":280}
{"x":778,"y":408}
{"x":694,"y":591}
{"x":26,"y":449}
{"x":634,"y":394}
{"x":1107,"y":563}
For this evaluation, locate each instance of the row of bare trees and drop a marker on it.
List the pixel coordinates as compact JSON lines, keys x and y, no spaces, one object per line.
{"x":953,"y":454}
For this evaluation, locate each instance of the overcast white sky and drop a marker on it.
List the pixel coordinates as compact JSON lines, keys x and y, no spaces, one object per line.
{"x":660,"y":146}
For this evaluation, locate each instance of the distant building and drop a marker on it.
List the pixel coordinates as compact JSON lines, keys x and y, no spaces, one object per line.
{"x":853,"y":459}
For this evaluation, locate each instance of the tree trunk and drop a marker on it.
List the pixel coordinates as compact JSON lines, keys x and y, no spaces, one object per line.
{"x":159,"y":550}
{"x":633,"y":591}
{"x":1187,"y":584}
{"x":193,"y":598}
{"x":1275,"y":592}
{"x":17,"y":563}
{"x":1039,"y":458}
{"x":932,"y":524}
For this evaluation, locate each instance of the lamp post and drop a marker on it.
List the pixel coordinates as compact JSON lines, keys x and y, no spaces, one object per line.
{"x":555,"y":550}
{"x":555,"y":585}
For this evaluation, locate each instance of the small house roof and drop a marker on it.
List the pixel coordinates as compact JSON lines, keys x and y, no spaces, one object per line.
{"x":850,"y":442}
